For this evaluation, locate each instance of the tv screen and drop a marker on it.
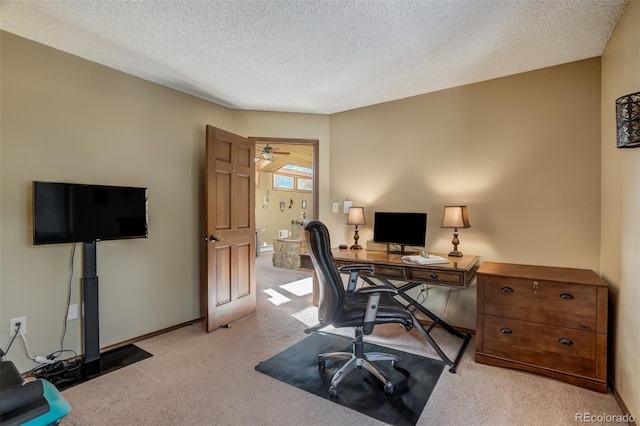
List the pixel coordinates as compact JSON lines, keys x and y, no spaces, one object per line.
{"x":68,"y":212}
{"x":408,"y":229}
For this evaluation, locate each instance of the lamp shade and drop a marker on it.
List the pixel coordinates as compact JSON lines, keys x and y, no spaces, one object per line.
{"x":628,"y":120}
{"x":455,"y":217}
{"x":356,"y":216}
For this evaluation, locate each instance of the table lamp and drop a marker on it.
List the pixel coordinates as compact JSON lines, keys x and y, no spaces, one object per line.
{"x":356,"y":217}
{"x":455,"y":217}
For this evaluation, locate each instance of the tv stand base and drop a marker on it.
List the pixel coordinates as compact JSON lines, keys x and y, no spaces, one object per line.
{"x":108,"y":362}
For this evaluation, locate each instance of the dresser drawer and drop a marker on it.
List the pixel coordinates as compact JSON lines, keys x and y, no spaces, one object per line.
{"x":546,"y":302}
{"x":447,"y":278}
{"x":563,"y":349}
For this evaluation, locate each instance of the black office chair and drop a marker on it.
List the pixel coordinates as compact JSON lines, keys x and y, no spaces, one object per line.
{"x":361,"y":308}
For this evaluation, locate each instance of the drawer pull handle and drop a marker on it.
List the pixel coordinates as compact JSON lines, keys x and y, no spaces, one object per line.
{"x":566,"y":296}
{"x":506,"y":330}
{"x":566,"y":341}
{"x":434,"y":276}
{"x":506,"y":290}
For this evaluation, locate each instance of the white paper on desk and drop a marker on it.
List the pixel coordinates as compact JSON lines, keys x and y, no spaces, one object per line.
{"x":421,"y":260}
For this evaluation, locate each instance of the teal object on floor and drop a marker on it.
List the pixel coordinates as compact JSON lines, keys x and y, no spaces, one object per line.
{"x":36,"y":403}
{"x":58,"y":407}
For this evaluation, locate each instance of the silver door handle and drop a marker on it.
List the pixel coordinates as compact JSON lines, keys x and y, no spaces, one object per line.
{"x":212,"y":239}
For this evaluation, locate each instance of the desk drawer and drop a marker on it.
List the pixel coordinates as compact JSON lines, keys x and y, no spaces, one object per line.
{"x":542,"y":345}
{"x":390,"y":271}
{"x":437,"y":277}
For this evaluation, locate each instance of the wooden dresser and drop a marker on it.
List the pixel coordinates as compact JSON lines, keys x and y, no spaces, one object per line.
{"x":546,"y":320}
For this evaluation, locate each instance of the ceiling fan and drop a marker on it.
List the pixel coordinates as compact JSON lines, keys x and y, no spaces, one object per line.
{"x":268,"y":152}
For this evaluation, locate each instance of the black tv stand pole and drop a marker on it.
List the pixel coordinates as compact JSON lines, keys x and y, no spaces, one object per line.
{"x":91,"y":317}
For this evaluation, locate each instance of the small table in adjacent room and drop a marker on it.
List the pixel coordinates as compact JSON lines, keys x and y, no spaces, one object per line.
{"x":286,"y":252}
{"x":391,"y":269}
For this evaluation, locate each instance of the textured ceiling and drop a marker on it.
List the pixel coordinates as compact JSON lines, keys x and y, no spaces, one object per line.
{"x":317,"y":56}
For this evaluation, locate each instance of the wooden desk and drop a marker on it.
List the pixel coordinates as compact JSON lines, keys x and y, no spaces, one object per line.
{"x":391,"y":269}
{"x":459,"y":272}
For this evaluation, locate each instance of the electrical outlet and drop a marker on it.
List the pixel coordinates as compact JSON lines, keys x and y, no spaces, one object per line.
{"x":13,"y":325}
{"x":73,"y":312}
{"x":335,"y":206}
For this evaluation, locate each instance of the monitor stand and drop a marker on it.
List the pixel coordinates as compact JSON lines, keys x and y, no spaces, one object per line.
{"x":403,"y":249}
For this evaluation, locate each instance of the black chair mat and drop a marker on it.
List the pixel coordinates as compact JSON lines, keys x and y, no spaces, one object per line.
{"x":360,"y":391}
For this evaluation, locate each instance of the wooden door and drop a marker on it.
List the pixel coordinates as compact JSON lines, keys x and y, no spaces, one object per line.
{"x":230,"y":286}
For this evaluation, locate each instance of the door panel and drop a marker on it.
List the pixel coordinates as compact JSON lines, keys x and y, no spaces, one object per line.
{"x":230,"y":204}
{"x":245,"y":253}
{"x":223,"y":201}
{"x":223,"y":275}
{"x":245,"y":212}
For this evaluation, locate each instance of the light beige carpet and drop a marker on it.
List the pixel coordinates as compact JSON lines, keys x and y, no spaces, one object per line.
{"x":195,"y":378}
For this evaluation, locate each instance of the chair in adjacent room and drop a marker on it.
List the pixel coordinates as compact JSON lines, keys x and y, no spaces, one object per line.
{"x":362,"y":308}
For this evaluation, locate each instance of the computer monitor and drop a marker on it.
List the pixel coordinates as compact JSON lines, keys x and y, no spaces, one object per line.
{"x":401,"y":229}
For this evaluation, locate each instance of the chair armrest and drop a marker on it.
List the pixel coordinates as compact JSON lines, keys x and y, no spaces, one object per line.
{"x":377,"y":289}
{"x":349,"y":268}
{"x":373,"y":301}
{"x":354,"y":272}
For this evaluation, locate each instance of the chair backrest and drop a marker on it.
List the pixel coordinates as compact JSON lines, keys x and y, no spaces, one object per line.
{"x":331,"y":288}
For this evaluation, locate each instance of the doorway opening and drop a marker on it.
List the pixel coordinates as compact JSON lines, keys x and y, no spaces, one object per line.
{"x":286,"y":193}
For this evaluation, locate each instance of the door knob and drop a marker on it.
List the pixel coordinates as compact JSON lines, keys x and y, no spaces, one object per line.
{"x":211,"y":238}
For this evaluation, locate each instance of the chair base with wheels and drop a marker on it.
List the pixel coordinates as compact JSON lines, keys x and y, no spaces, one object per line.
{"x":358,"y":359}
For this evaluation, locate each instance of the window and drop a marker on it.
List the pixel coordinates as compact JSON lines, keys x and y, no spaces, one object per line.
{"x":283,"y":181}
{"x":293,"y":178}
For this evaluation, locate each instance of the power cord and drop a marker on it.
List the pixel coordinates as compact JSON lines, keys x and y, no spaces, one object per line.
{"x":38,"y":359}
{"x":26,"y":346}
{"x":446,"y":303}
{"x":424,"y":295}
{"x":18,"y":325}
{"x":59,"y":372}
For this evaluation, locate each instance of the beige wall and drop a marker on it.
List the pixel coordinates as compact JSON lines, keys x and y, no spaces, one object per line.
{"x":67,"y":119}
{"x":522,"y":152}
{"x":620,"y":248}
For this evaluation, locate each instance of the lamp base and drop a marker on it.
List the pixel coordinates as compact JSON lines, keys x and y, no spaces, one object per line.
{"x":455,"y":242}
{"x":356,"y":237}
{"x":455,"y":253}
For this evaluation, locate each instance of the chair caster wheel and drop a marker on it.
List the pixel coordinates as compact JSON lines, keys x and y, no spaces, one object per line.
{"x":321,"y":363}
{"x":388,"y":389}
{"x":333,"y":391}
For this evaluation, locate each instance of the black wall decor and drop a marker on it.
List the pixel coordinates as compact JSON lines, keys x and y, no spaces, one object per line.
{"x":628,"y":120}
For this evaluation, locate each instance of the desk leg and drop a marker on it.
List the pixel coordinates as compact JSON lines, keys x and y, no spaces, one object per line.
{"x":438,"y":321}
{"x":402,"y":292}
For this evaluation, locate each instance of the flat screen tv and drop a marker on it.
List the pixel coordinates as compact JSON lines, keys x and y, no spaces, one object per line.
{"x":403,"y":229}
{"x":69,"y":212}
